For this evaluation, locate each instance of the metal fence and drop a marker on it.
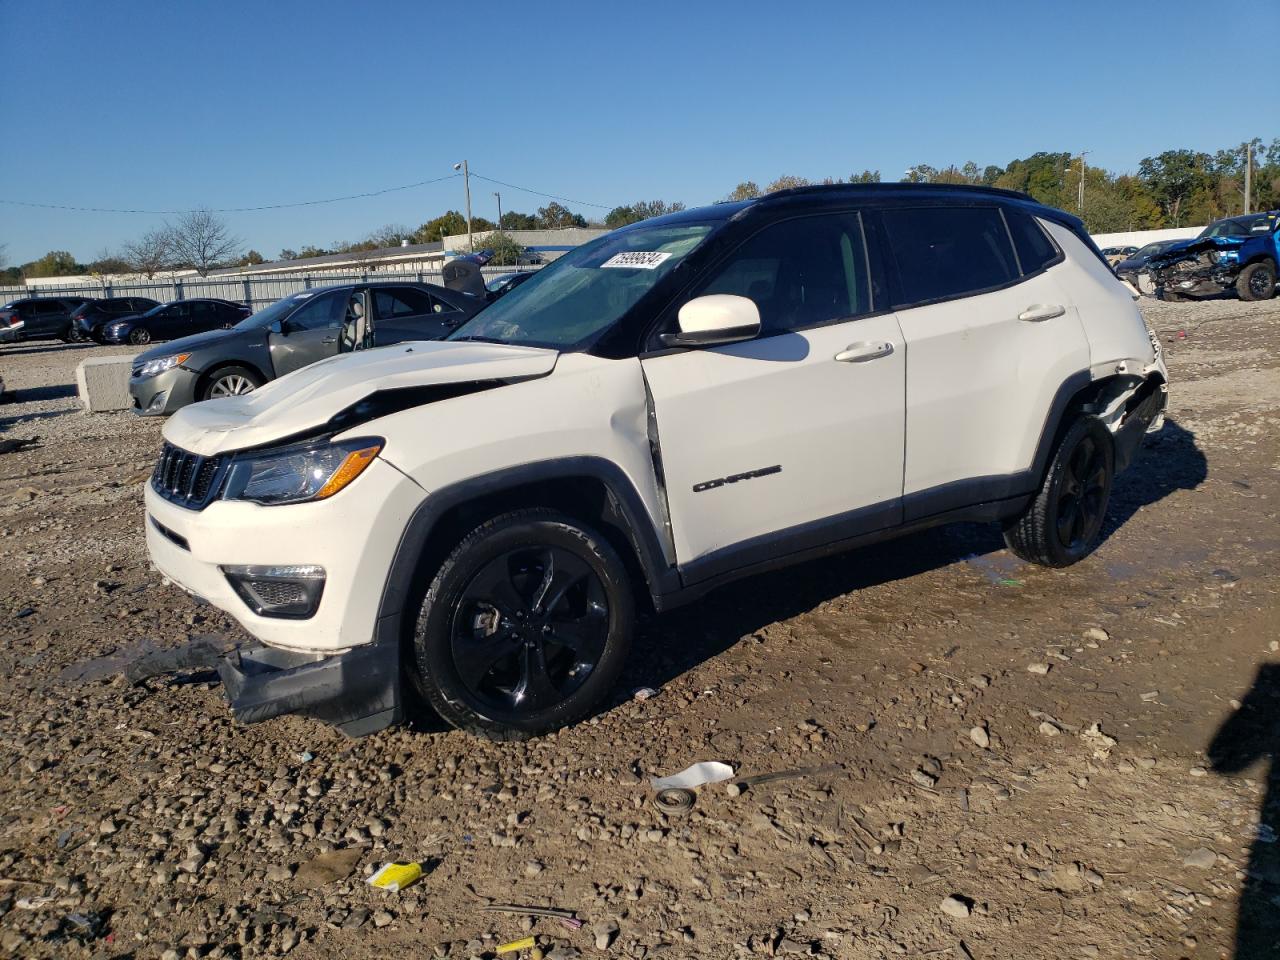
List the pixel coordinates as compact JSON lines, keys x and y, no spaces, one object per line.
{"x":256,"y":292}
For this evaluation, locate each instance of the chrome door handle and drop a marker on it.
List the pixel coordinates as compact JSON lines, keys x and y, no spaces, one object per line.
{"x":328,"y":340}
{"x":864,"y":351}
{"x":1042,"y":311}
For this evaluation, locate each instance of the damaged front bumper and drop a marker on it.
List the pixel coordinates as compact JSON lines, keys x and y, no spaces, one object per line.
{"x":357,"y":690}
{"x":1203,"y":268}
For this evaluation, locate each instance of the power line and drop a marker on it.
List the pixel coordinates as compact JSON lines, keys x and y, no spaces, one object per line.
{"x":300,"y":203}
{"x":537,"y":193}
{"x":266,"y":206}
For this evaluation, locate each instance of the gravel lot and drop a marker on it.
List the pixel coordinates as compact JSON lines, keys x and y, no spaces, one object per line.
{"x":1016,"y":762}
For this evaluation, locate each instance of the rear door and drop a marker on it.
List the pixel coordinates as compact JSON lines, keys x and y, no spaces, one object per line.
{"x":408,"y":313}
{"x":204,"y":316}
{"x":991,"y":336}
{"x":310,"y":333}
{"x":43,"y":317}
{"x":170,"y":322}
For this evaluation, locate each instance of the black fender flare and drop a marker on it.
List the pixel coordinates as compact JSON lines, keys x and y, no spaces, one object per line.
{"x":646,"y":541}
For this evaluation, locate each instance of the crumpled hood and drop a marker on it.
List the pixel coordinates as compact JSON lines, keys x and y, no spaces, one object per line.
{"x":1192,"y":248}
{"x":308,"y":398}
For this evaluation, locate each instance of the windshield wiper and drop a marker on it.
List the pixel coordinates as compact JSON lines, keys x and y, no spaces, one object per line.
{"x":476,"y":338}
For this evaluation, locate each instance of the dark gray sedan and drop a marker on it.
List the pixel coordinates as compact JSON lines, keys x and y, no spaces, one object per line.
{"x":289,"y":334}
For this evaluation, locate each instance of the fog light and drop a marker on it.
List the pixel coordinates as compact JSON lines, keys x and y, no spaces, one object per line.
{"x":157,"y":402}
{"x":290,"y":592}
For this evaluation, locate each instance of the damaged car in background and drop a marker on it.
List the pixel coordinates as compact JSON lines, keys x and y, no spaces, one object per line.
{"x":1239,"y":253}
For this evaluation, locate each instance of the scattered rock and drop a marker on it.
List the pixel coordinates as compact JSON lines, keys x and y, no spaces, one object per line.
{"x":980,"y":736}
{"x":328,"y":867}
{"x":956,"y":906}
{"x":604,"y":931}
{"x":1202,"y":858}
{"x":924,"y":779}
{"x":1039,"y":668}
{"x":1049,"y":729}
{"x":1096,"y":634}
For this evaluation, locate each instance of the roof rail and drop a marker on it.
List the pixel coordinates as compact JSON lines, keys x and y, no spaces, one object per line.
{"x":914,"y":187}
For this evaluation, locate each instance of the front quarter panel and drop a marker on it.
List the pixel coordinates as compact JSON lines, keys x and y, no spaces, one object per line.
{"x":588,"y":407}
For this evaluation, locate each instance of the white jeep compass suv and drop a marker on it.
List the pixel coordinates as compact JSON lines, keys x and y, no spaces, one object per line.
{"x":472,"y":524}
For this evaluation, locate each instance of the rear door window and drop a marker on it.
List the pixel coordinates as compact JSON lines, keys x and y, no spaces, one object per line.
{"x":945,"y":252}
{"x":202,"y":311}
{"x":402,"y":302}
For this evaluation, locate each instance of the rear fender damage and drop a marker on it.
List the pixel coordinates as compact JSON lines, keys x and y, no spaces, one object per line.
{"x":1130,"y":405}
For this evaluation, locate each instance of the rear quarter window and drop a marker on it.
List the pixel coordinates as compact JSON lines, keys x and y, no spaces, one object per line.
{"x":945,"y":252}
{"x":1035,"y":249}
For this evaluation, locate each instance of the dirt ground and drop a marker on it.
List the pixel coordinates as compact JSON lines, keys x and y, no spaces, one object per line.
{"x":1078,"y":759}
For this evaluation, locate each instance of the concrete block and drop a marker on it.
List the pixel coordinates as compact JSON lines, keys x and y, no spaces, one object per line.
{"x":103,"y":384}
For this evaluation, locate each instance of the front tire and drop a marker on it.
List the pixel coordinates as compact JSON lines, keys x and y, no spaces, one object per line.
{"x":524,"y":628}
{"x":1062,"y":524}
{"x":230,"y":382}
{"x":139,"y":336}
{"x":1257,"y":281}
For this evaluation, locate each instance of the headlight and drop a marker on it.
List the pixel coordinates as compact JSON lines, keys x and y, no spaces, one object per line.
{"x":1224,"y":256}
{"x":153,"y":368}
{"x":310,"y":471}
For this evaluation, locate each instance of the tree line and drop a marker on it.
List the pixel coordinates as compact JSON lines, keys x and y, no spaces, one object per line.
{"x":1172,"y":189}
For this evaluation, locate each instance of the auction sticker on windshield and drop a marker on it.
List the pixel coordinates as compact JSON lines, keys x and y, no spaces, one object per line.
{"x":636,"y":260}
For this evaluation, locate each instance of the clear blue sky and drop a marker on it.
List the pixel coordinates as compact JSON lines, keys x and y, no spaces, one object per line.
{"x":168,"y":105}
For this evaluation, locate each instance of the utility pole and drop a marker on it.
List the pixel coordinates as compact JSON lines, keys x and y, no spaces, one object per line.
{"x":499,"y":196}
{"x":1248,"y":175}
{"x":1080,"y":198}
{"x":466,"y":179}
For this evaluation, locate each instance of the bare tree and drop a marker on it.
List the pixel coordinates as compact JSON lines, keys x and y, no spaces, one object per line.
{"x":202,"y":240}
{"x":151,"y":253}
{"x":4,"y":255}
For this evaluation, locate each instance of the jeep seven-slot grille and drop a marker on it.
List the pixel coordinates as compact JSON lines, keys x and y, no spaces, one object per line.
{"x":185,"y":478}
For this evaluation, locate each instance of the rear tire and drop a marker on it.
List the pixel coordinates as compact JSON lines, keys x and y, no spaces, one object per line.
{"x":524,"y":628}
{"x":1257,"y":281}
{"x":1062,"y":524}
{"x":230,"y":382}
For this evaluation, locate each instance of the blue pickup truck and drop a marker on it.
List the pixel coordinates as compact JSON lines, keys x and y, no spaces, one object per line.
{"x":1239,"y":253}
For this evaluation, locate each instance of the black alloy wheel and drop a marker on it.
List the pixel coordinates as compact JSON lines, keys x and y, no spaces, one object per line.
{"x":1062,"y":523}
{"x":1082,"y":495}
{"x":529,"y":628}
{"x":524,"y":627}
{"x":139,"y":336}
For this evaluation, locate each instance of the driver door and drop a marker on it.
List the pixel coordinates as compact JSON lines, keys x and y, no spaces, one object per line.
{"x":793,"y":439}
{"x":308,"y":334}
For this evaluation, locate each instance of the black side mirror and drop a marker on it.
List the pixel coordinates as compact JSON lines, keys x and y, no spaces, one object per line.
{"x":281,"y":327}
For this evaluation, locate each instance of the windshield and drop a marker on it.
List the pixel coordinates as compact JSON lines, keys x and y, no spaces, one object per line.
{"x":586,"y":291}
{"x":1236,"y":228}
{"x":277,"y":311}
{"x":1151,"y":249}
